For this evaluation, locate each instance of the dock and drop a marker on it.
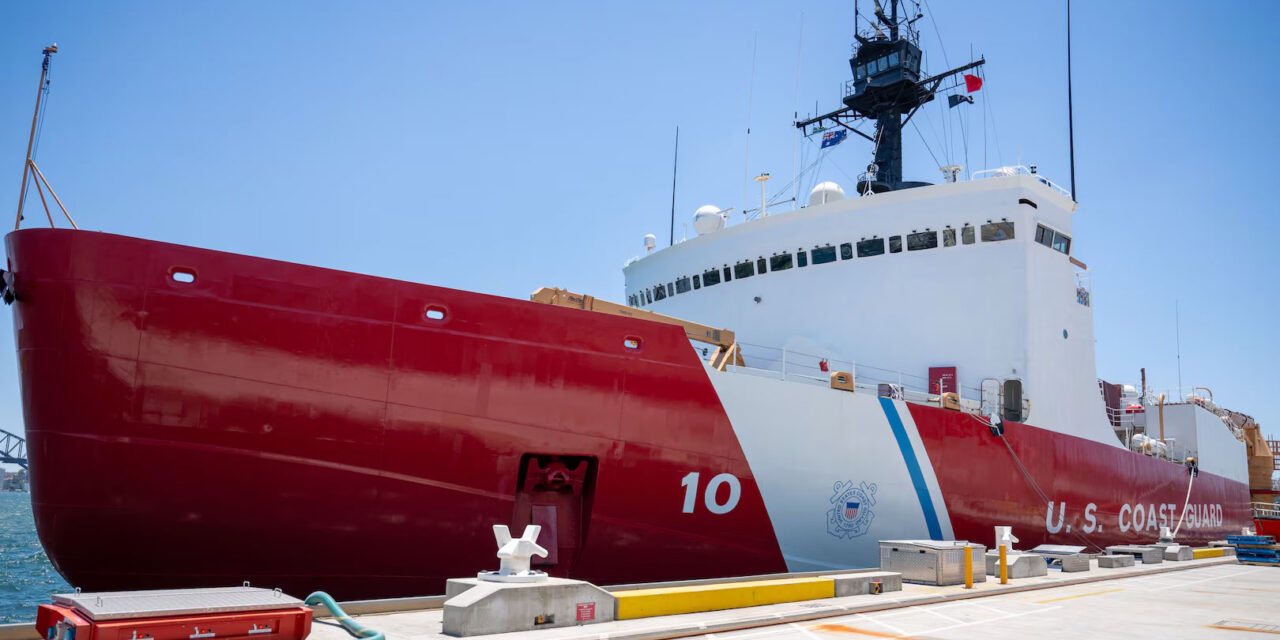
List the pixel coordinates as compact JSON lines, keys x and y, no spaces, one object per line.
{"x":1201,"y":597}
{"x":1182,"y":599}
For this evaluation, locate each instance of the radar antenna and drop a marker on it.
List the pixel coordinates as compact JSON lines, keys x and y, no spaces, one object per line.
{"x":887,"y":83}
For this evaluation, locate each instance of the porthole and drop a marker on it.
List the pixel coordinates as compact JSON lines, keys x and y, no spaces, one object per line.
{"x":631,"y":342}
{"x":434,"y":313}
{"x":182,"y":275}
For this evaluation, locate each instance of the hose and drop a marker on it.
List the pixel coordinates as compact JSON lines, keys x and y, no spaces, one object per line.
{"x":1184,"y":505}
{"x":354,"y":628}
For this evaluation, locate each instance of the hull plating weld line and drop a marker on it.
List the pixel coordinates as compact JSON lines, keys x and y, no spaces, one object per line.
{"x":646,"y":603}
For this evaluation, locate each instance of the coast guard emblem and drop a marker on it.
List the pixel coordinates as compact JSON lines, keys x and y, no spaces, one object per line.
{"x":852,"y":515}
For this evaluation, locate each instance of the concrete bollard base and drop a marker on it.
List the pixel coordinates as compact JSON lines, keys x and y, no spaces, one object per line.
{"x":478,"y":607}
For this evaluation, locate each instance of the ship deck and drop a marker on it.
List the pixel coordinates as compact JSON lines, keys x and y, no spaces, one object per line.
{"x":1197,"y":598}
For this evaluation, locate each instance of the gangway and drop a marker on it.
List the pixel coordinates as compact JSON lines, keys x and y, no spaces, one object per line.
{"x":13,"y":449}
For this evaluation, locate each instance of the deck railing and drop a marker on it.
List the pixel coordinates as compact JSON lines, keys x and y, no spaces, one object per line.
{"x":800,"y":366}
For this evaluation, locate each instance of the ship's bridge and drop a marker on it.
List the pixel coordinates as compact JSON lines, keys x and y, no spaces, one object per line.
{"x":978,"y":275}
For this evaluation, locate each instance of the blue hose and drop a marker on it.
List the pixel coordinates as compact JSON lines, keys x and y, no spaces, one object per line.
{"x":354,"y":628}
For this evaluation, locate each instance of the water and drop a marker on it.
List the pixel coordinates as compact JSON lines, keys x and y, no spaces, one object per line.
{"x":26,"y":577}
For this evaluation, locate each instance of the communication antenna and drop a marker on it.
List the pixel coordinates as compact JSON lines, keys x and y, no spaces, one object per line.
{"x":746,"y":161}
{"x":763,"y":178}
{"x":674,"y":163}
{"x":1071,"y":131}
{"x":795,"y":135}
{"x":1177,"y":328}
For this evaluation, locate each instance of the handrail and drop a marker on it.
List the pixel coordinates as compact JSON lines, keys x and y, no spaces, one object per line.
{"x":1265,"y":510}
{"x":1002,"y":172}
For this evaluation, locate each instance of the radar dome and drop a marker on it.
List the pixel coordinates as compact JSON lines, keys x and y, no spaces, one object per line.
{"x":650,"y":241}
{"x":708,"y":219}
{"x":825,"y":192}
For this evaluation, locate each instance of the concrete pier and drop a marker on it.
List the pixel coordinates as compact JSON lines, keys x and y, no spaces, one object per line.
{"x":1194,"y":594}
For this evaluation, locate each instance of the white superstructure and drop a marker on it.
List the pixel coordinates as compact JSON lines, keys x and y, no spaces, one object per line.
{"x":977,"y":275}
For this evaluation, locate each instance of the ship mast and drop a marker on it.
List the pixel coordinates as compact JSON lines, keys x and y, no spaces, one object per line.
{"x":886,"y":85}
{"x":29,"y":168}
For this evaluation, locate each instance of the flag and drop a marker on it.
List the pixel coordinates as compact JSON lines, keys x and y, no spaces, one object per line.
{"x":955,"y":99}
{"x":833,"y":138}
{"x":851,"y":510}
{"x":972,"y":83}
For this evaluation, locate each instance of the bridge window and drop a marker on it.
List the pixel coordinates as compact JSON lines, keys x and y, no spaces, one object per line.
{"x":1061,"y":243}
{"x":683,"y":285}
{"x":823,"y":255}
{"x":893,"y":60}
{"x":631,"y":300}
{"x":648,"y":296}
{"x":728,"y":274}
{"x":872,"y":247}
{"x":997,"y":231}
{"x":780,"y":262}
{"x":966,"y":234}
{"x":697,"y":283}
{"x":895,"y":244}
{"x":846,"y":251}
{"x":744,"y":269}
{"x":711,"y":277}
{"x":1053,"y":239}
{"x":659,"y":292}
{"x":802,"y":259}
{"x":948,"y":237}
{"x":760,"y":265}
{"x":922,"y":240}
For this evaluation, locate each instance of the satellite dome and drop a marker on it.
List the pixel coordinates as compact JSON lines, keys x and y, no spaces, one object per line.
{"x":708,"y":219}
{"x":650,"y":241}
{"x":825,"y":192}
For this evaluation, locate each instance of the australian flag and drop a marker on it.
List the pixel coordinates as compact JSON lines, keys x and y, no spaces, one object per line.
{"x":851,"y":510}
{"x":833,"y":138}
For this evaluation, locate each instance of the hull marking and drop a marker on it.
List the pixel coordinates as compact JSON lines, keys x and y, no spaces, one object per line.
{"x":913,"y":467}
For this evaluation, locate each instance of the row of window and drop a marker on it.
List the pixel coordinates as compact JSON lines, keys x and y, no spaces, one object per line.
{"x":990,"y":232}
{"x":1053,"y":239}
{"x":884,"y":63}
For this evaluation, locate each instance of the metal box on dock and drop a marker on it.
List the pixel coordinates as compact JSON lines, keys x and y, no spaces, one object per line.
{"x":938,"y":562}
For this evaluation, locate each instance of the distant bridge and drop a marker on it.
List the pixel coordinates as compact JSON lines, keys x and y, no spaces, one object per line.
{"x":13,"y":449}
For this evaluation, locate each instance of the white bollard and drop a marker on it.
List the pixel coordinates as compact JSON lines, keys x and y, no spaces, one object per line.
{"x":515,"y":556}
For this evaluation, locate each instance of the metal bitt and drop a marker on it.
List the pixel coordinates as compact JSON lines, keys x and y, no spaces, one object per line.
{"x":515,"y":555}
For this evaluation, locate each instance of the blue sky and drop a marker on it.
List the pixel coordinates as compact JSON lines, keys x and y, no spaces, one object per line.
{"x":502,"y":147}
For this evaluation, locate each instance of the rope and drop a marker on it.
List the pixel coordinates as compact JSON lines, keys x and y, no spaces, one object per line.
{"x":1035,"y":486}
{"x":1185,"y":502}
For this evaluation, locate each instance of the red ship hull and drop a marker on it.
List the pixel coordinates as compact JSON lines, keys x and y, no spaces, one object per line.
{"x":306,"y":428}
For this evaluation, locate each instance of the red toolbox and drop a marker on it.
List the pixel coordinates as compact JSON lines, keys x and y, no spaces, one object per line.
{"x":241,"y":613}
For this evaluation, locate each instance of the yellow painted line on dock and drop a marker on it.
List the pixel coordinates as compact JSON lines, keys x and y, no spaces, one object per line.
{"x":645,"y":603}
{"x":1208,"y":552}
{"x":1078,"y":595}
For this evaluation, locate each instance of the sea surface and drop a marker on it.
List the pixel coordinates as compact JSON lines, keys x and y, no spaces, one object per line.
{"x":26,"y":577}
